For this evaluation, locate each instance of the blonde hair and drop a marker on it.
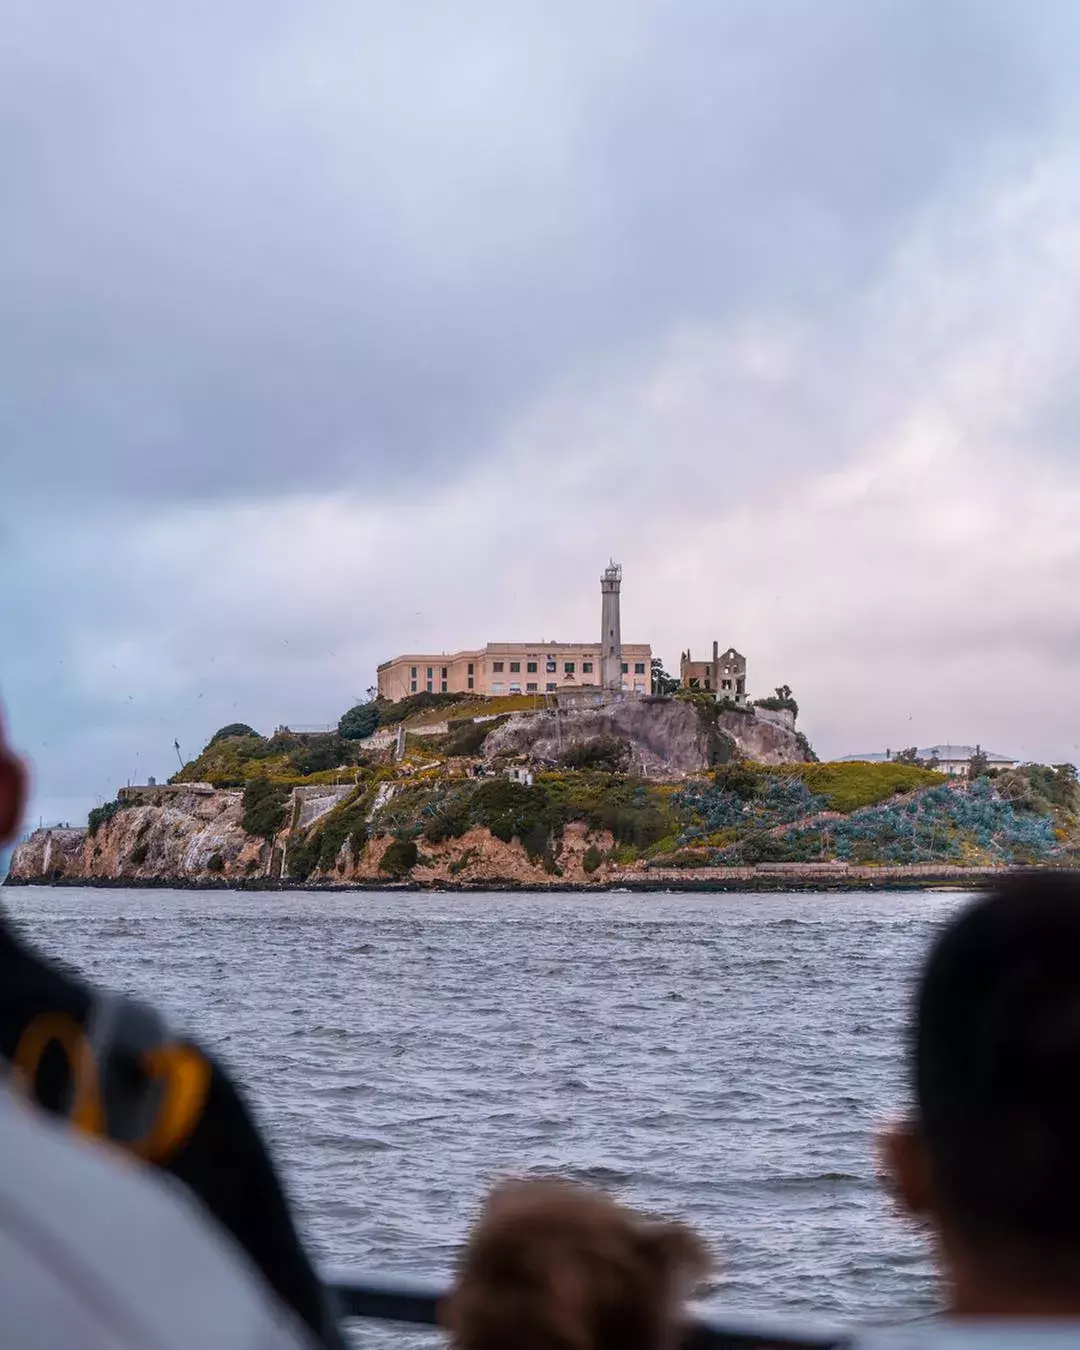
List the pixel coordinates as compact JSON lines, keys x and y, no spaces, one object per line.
{"x":554,"y":1266}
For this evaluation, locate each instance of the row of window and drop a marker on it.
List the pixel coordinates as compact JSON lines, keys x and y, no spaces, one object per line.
{"x":569,"y":667}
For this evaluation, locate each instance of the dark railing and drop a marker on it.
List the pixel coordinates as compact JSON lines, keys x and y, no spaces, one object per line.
{"x":399,"y":1299}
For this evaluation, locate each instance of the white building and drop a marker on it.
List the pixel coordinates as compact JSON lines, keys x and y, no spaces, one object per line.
{"x":951,"y":759}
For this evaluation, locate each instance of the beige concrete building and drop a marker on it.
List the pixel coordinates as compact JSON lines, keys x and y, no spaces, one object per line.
{"x":724,"y":675}
{"x":512,"y":668}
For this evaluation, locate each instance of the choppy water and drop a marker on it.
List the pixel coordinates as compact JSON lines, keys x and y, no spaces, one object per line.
{"x":721,"y":1058}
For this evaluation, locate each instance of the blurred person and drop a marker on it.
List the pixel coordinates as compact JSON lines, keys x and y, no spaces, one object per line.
{"x":109,"y":1067}
{"x":989,"y":1159}
{"x":554,"y":1266}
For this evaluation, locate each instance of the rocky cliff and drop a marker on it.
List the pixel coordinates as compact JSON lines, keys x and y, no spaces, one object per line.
{"x":666,"y":737}
{"x":168,"y":833}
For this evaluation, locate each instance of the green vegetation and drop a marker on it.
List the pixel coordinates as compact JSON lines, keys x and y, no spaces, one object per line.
{"x":101,"y":815}
{"x":400,"y":857}
{"x":233,"y":730}
{"x":318,"y":850}
{"x":359,"y":722}
{"x":390,"y":714}
{"x":592,"y":859}
{"x":857,"y":783}
{"x":783,"y":701}
{"x":662,"y":683}
{"x":606,"y":752}
{"x":287,"y":757}
{"x":264,"y":808}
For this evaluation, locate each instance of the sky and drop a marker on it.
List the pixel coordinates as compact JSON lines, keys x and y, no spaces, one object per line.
{"x":344,"y":329}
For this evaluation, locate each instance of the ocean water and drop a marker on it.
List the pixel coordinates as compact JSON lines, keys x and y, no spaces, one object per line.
{"x":722,"y":1058}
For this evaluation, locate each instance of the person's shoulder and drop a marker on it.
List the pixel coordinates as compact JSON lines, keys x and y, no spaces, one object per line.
{"x":95,"y":1249}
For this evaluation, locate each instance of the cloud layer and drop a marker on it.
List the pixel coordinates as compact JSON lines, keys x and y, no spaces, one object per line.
{"x":336,"y":336}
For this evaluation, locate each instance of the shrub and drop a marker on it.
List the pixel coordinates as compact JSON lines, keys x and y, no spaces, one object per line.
{"x":233,"y":729}
{"x":101,"y":815}
{"x":264,"y":807}
{"x":392,"y":713}
{"x":592,"y":860}
{"x":316,"y":753}
{"x":467,"y":736}
{"x":738,"y":778}
{"x":359,"y":722}
{"x":449,"y":822}
{"x":139,"y":854}
{"x":605,"y":752}
{"x":215,"y":863}
{"x":399,"y":858}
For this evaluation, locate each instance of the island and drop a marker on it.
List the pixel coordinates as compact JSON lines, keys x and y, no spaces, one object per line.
{"x":578,"y":789}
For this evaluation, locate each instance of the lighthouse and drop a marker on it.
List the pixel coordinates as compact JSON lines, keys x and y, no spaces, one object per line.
{"x":610,"y":627}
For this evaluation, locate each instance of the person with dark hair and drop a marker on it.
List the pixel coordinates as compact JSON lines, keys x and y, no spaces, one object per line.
{"x":551,"y":1265}
{"x":990,"y":1159}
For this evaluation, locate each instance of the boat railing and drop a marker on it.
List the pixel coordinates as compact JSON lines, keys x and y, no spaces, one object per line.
{"x":416,"y":1303}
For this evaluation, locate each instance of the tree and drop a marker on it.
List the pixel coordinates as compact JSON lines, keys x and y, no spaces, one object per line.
{"x":908,"y":756}
{"x":359,"y":722}
{"x":233,"y":729}
{"x":978,"y":764}
{"x":783,"y":693}
{"x":663,"y":684}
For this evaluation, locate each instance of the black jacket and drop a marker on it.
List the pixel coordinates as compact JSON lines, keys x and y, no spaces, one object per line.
{"x":222,"y":1158}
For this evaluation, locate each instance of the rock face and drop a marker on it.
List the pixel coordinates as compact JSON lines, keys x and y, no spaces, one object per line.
{"x":175,"y":835}
{"x":666,"y":736}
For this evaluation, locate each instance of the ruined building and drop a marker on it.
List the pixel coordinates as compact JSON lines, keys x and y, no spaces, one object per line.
{"x":724,"y":675}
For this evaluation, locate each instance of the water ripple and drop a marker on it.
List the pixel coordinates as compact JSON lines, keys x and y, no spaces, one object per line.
{"x":722,"y":1058}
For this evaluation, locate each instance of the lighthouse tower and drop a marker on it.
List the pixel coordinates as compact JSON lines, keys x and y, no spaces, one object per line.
{"x":610,"y":627}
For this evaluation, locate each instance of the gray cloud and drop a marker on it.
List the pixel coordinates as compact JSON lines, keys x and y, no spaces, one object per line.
{"x":289,"y":248}
{"x":332,"y":334}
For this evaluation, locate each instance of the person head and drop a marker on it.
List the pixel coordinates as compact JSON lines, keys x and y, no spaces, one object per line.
{"x":991,"y":1156}
{"x":12,"y":791}
{"x":552,"y":1266}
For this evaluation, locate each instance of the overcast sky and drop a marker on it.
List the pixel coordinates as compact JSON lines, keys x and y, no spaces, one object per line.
{"x":341,"y":329}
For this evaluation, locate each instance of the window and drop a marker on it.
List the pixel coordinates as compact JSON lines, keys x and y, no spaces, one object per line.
{"x":549,"y":687}
{"x":639,"y":668}
{"x":708,"y":684}
{"x":694,"y":682}
{"x":625,"y":669}
{"x":497,"y":667}
{"x":515,"y":686}
{"x":639,"y":686}
{"x":569,"y":667}
{"x":531,"y":688}
{"x":444,"y":672}
{"x":471,"y":671}
{"x":497,"y":687}
{"x":412,"y":673}
{"x":725,"y":684}
{"x":412,"y":687}
{"x":515,"y":667}
{"x":586,"y":667}
{"x":430,"y":672}
{"x":551,"y":667}
{"x":470,"y":681}
{"x":530,"y":668}
{"x":429,"y":688}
